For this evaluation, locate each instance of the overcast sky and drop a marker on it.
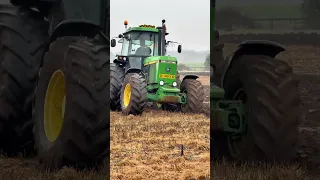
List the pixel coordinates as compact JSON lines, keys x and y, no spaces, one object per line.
{"x":188,"y":22}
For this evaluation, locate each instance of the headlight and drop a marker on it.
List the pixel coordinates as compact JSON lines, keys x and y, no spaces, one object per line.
{"x":161,"y":83}
{"x":124,"y":58}
{"x":174,"y":84}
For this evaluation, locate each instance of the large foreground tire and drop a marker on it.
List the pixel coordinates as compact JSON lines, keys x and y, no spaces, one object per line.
{"x":23,"y":37}
{"x":195,"y":96}
{"x":133,"y":94}
{"x":116,"y":80}
{"x":271,"y":99}
{"x":71,"y":110}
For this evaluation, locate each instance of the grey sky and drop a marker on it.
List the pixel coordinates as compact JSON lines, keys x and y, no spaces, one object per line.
{"x":188,"y":22}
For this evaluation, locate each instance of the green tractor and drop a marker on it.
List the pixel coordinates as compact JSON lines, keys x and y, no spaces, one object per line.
{"x":143,"y":72}
{"x":54,"y":79}
{"x":254,"y":102}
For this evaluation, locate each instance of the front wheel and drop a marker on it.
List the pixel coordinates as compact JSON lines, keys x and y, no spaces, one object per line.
{"x":116,"y":79}
{"x":195,"y":96}
{"x":133,"y":94}
{"x":71,"y":104}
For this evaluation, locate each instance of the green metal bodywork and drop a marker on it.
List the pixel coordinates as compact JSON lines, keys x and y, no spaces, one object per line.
{"x":226,"y":115}
{"x":157,"y":66}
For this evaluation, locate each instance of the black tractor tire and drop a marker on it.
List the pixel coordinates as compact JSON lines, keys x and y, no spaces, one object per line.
{"x":272,"y":96}
{"x":195,"y":96}
{"x":83,"y":141}
{"x":116,"y":79}
{"x":138,"y":97}
{"x":23,"y":39}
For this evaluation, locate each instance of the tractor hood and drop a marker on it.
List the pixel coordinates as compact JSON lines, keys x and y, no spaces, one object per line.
{"x":162,"y":68}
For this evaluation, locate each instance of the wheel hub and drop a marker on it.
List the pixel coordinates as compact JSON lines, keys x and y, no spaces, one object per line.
{"x":54,"y":106}
{"x":127,"y":95}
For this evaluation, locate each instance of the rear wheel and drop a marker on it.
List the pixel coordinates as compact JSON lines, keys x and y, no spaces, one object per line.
{"x":71,"y":104}
{"x":195,"y":96}
{"x":133,"y":94}
{"x":23,"y":38}
{"x":271,"y":99}
{"x":116,"y":80}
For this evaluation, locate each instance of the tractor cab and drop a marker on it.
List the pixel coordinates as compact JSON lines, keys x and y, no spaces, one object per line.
{"x":144,"y":48}
{"x":137,"y":45}
{"x":142,"y":42}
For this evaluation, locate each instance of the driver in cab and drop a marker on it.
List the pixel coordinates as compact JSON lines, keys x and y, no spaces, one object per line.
{"x":143,"y":50}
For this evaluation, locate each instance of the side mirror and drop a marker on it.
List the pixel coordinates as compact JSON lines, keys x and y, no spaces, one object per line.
{"x":113,"y":43}
{"x":179,"y":48}
{"x":120,"y":36}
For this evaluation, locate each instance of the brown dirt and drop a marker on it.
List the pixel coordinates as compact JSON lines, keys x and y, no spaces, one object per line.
{"x":306,"y":65}
{"x":205,"y":80}
{"x":29,"y":169}
{"x":150,"y":146}
{"x":284,"y":37}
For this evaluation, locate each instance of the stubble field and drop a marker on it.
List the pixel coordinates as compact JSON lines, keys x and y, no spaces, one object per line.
{"x":161,"y":145}
{"x":306,"y":65}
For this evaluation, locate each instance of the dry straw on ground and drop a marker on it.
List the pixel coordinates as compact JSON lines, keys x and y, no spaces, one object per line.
{"x":160,"y":145}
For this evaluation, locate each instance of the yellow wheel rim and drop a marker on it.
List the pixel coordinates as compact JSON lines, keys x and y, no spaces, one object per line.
{"x":54,"y":106}
{"x":159,"y":105}
{"x":126,"y":95}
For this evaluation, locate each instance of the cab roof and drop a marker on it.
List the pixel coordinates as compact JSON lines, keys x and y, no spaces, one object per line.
{"x":147,"y":29}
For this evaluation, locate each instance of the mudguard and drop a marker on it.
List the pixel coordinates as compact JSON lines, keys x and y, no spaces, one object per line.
{"x":132,"y":70}
{"x":73,"y":17}
{"x":190,"y":76}
{"x":252,"y":47}
{"x":74,"y":28}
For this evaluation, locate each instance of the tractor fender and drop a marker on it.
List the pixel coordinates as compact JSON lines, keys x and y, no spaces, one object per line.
{"x":252,"y":47}
{"x":132,"y":70}
{"x":190,"y":76}
{"x":75,"y":28}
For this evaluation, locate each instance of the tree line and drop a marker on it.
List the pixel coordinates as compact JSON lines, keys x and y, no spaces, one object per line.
{"x":229,"y":16}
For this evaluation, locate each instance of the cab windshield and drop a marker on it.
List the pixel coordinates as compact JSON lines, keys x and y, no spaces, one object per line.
{"x":140,"y":43}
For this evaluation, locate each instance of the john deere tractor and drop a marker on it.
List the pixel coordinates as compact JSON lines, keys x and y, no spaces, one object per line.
{"x":54,"y":79}
{"x":254,"y":103}
{"x":143,"y":72}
